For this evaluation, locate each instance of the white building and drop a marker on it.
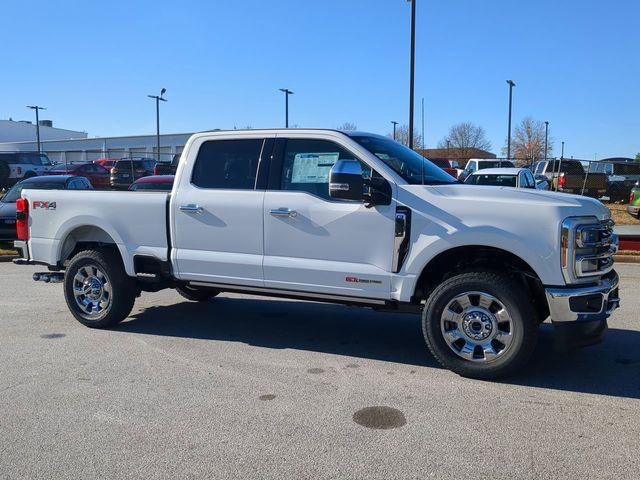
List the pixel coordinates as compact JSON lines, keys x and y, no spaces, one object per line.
{"x":87,"y":149}
{"x":23,"y":131}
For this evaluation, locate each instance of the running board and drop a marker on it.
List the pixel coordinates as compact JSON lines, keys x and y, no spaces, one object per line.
{"x":310,"y":296}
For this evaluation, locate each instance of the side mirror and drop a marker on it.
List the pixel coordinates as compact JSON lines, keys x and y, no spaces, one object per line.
{"x":346,"y":181}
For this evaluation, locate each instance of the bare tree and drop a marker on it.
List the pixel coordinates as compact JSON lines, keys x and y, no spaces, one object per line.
{"x":402,"y":136}
{"x":348,"y":127}
{"x":527,"y":142}
{"x":464,"y":137}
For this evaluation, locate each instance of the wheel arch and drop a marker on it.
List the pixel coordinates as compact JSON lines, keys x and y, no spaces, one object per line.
{"x":471,"y":257}
{"x":85,"y":236}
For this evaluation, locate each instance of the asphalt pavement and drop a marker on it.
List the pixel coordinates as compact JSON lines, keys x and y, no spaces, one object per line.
{"x":247,"y":387}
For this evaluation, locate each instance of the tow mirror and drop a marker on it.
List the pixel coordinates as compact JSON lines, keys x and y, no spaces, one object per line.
{"x":346,"y":181}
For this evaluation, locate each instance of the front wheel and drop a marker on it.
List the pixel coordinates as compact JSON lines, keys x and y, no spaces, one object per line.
{"x":479,"y":324}
{"x":97,"y":289}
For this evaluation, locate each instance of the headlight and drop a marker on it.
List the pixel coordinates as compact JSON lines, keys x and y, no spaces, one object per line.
{"x":587,"y":248}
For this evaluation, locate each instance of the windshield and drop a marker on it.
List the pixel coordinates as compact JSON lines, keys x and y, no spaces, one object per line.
{"x":497,"y":164}
{"x":13,"y":194}
{"x":404,"y":161}
{"x":497,"y":180}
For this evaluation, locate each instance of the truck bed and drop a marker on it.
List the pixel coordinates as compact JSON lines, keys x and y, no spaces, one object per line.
{"x":135,"y":221}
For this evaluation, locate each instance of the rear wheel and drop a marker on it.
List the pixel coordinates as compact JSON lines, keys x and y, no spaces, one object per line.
{"x":479,"y":324}
{"x":97,"y":289}
{"x":197,"y":294}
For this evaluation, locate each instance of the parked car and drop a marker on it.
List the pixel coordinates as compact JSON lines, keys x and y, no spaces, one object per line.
{"x":97,"y":175}
{"x":106,"y":162}
{"x":162,"y":183}
{"x":167,"y":168}
{"x":621,"y":177}
{"x":345,"y":217}
{"x":633,"y":208}
{"x":16,"y":166}
{"x":49,"y":182}
{"x":569,"y":176}
{"x":446,"y":166}
{"x":506,"y":177}
{"x":475,"y":164}
{"x":126,"y":171}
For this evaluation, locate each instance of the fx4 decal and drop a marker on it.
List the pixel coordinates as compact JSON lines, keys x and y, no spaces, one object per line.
{"x":44,"y":205}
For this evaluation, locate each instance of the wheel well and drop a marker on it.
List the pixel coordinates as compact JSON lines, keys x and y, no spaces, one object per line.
{"x":458,"y":259}
{"x":83,"y":238}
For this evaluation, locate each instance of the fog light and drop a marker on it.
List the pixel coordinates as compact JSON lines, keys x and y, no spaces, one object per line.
{"x":586,"y":303}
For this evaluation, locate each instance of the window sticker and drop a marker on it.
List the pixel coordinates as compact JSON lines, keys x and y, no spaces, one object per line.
{"x":313,"y":167}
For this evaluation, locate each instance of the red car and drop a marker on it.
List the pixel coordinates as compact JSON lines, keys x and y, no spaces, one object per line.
{"x":106,"y":162}
{"x":445,"y":165}
{"x":159,"y":183}
{"x":97,"y":174}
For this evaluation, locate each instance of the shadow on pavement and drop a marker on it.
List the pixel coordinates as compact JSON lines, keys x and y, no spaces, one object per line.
{"x":611,"y":368}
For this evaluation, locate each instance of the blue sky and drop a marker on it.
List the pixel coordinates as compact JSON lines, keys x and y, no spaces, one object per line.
{"x":575,"y":63}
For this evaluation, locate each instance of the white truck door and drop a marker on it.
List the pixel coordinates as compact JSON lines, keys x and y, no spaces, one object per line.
{"x":318,"y":244}
{"x":216,"y":211}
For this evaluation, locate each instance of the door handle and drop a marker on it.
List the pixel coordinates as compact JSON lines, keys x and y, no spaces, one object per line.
{"x":191,"y":208}
{"x":283,"y":212}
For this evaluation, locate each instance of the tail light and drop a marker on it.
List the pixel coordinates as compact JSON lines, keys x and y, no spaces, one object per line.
{"x":22,"y":219}
{"x":562,"y":180}
{"x":632,"y":195}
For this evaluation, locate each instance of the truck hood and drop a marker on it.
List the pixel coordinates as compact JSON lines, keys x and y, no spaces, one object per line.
{"x":499,"y":200}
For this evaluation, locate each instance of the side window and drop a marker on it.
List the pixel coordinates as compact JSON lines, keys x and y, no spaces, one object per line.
{"x":307,"y":163}
{"x":530,"y":179}
{"x":471,"y":166}
{"x":540,"y":168}
{"x":522,"y":180}
{"x":229,"y":164}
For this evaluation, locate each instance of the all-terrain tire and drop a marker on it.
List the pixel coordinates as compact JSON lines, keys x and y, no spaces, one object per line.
{"x":81,"y":276}
{"x":506,"y":291}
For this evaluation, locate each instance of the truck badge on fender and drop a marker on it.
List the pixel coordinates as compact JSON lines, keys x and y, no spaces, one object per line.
{"x":44,"y":205}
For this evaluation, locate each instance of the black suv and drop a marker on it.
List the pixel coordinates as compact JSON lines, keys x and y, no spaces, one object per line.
{"x":127,"y":170}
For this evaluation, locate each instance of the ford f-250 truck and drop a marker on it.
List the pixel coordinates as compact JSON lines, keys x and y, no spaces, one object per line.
{"x":353,"y":218}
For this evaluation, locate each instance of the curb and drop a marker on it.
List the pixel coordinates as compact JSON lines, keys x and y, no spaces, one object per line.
{"x":626,"y":258}
{"x":7,"y":258}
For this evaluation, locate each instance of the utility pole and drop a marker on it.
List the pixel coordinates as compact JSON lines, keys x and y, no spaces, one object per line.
{"x":158,"y":99}
{"x":511,"y":85}
{"x":412,"y":69}
{"x":287,"y":92}
{"x":423,"y":126}
{"x":37,"y":108}
{"x":394,"y":129}
{"x":546,"y":138}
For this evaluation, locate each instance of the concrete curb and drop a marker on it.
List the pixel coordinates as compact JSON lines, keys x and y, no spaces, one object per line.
{"x":7,"y":258}
{"x":626,"y":258}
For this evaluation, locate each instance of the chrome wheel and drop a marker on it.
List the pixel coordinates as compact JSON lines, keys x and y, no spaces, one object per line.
{"x":92,"y":290}
{"x":477,"y":326}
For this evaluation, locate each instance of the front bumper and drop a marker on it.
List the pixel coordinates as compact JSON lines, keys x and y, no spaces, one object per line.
{"x":579,"y":314}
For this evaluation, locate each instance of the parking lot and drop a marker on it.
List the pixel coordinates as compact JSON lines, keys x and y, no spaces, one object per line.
{"x":246,"y":387}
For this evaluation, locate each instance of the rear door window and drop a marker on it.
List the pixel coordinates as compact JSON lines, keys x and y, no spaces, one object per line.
{"x":227,"y":164}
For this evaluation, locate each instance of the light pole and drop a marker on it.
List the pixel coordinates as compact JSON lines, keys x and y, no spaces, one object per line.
{"x":287,"y":92}
{"x":158,"y":99}
{"x":37,"y":108}
{"x":511,"y":85}
{"x":412,"y":69}
{"x":546,"y":138}
{"x":394,"y":128}
{"x":422,"y":127}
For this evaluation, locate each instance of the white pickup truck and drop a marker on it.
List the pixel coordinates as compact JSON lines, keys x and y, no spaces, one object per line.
{"x":353,"y":218}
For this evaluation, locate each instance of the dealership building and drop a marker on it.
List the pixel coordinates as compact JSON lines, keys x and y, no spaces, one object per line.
{"x":62,"y":145}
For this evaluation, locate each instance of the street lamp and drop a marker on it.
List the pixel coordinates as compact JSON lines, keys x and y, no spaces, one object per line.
{"x":158,"y":99}
{"x":37,"y":109}
{"x":511,"y":85}
{"x":546,"y":138}
{"x":394,"y":128}
{"x":287,"y":92}
{"x":412,"y":69}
